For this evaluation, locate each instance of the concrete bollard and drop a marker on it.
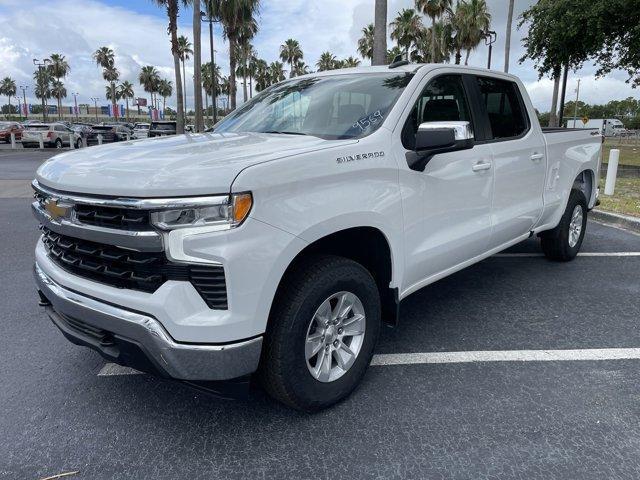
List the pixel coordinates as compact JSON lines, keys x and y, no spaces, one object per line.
{"x":84,"y":142}
{"x":13,"y":141}
{"x":99,"y":139}
{"x":72,"y":141}
{"x":128,"y":137}
{"x":41,"y":141}
{"x":612,"y":171}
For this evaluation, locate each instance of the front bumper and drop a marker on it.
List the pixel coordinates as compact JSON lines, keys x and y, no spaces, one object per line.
{"x":138,"y":340}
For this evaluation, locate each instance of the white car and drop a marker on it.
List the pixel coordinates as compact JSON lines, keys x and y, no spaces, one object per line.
{"x":277,"y":245}
{"x":54,"y":135}
{"x":141,"y":130}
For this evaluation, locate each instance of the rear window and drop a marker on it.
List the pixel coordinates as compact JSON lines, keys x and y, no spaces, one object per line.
{"x":103,"y":129}
{"x":163,"y":126}
{"x":504,"y":107}
{"x":39,"y":128}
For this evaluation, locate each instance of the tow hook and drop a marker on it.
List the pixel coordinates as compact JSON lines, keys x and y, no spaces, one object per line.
{"x":44,"y":301}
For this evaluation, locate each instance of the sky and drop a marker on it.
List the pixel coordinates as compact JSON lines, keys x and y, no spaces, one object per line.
{"x":137,"y":31}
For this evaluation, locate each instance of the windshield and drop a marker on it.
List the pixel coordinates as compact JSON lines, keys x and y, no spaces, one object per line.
{"x":163,"y":126}
{"x":332,"y":107}
{"x":39,"y":128}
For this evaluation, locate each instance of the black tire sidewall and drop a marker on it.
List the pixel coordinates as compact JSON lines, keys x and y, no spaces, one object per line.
{"x":575,"y":198}
{"x":58,"y":143}
{"x":310,"y":393}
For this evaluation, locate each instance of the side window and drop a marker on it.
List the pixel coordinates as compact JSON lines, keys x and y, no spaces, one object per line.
{"x":504,"y":107}
{"x":442,"y":99}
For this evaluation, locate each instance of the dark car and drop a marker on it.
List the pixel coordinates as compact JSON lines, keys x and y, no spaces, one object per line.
{"x":7,"y":128}
{"x":110,"y":134}
{"x":162,"y":128}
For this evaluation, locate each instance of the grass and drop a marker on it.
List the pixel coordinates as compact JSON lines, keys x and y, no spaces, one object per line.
{"x":629,"y":152}
{"x":626,"y":198}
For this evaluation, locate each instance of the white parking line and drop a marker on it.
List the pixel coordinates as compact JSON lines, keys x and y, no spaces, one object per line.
{"x":581,"y":254}
{"x":507,"y":356}
{"x":590,"y":354}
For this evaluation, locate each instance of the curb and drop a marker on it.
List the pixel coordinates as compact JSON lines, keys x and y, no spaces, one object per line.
{"x":623,"y":221}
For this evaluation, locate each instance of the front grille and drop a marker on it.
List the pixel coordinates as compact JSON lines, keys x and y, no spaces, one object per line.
{"x":145,"y":271}
{"x":110,"y":217}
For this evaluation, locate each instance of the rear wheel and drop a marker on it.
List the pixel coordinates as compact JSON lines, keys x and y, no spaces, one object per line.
{"x":79,"y":143}
{"x":563,"y":242}
{"x":323,"y":329}
{"x":58,"y":143}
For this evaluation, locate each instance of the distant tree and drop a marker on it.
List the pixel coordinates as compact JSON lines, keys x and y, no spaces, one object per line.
{"x":276,"y":72}
{"x":433,"y":9}
{"x":405,"y":29}
{"x":184,"y":51}
{"x":58,"y":91}
{"x":59,"y":69}
{"x":394,"y":52}
{"x":125,"y":90}
{"x":164,"y":88}
{"x":291,"y":53}
{"x":105,"y":58}
{"x":149,"y":78}
{"x":365,"y":42}
{"x":8,"y":88}
{"x":327,"y":61}
{"x":350,"y":62}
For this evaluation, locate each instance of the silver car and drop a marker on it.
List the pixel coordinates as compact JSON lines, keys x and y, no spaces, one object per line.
{"x":141,"y":130}
{"x":52,"y":134}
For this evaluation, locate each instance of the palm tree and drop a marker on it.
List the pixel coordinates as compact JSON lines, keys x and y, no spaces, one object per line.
{"x":244,"y":54}
{"x":433,"y":9}
{"x":300,"y":68}
{"x":327,"y":61}
{"x":406,"y":28}
{"x":262,"y":75}
{"x":172,"y":9}
{"x":236,"y":16}
{"x":149,"y":78}
{"x":197,"y":70}
{"x":393,"y":53}
{"x":125,"y":90}
{"x":105,"y":58}
{"x":8,"y":88}
{"x":276,"y":72}
{"x":108,"y":93}
{"x":59,"y":68}
{"x":507,"y":41}
{"x":475,"y":20}
{"x":43,"y":79}
{"x":380,"y":33}
{"x":58,"y":91}
{"x":208,"y":82}
{"x":365,"y":42}
{"x":350,"y":62}
{"x":165,"y":89}
{"x":184,"y":50}
{"x":291,"y":53}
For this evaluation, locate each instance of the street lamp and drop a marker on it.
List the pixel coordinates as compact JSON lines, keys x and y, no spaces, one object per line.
{"x":489,"y":39}
{"x":75,"y":102}
{"x":95,"y":103}
{"x":209,"y":18}
{"x":24,"y":98}
{"x":42,"y":65}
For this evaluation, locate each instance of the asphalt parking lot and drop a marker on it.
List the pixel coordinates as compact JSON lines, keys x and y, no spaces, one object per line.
{"x":495,"y":409}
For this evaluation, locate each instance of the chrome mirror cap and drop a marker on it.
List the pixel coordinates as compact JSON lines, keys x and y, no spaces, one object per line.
{"x":462,"y":129}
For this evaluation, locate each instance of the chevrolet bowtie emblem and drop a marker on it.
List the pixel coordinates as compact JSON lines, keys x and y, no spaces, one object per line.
{"x":55,"y":210}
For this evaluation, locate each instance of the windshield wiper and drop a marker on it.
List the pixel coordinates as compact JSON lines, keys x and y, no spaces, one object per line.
{"x":281,"y":132}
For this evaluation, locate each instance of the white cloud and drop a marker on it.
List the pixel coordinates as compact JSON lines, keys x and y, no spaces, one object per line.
{"x":59,"y":26}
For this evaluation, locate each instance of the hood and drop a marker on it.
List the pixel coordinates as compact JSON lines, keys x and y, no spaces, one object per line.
{"x":179,"y":165}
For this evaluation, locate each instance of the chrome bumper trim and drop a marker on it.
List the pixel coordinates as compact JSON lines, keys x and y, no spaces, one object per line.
{"x":177,"y":360}
{"x":143,"y":241}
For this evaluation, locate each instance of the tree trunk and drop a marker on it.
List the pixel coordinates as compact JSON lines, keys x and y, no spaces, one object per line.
{"x":507,"y":44}
{"x":197,"y":67}
{"x":244,"y":80}
{"x":127,"y":108}
{"x":250,"y":87}
{"x":172,"y":13}
{"x":206,"y":106}
{"x":380,"y":33}
{"x":184,"y":76}
{"x":232,"y":72}
{"x":458,"y":56}
{"x":113,"y":99}
{"x":433,"y":39}
{"x":466,"y":58}
{"x":164,"y":104}
{"x":553,"y":116}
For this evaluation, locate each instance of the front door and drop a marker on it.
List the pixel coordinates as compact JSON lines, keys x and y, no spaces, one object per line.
{"x":446,"y":207}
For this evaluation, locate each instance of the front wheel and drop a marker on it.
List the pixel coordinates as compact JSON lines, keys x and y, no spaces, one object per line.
{"x":563,"y":242}
{"x":58,"y":143}
{"x":323,"y":329}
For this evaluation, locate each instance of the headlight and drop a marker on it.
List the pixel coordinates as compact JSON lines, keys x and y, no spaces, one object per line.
{"x":228,"y":210}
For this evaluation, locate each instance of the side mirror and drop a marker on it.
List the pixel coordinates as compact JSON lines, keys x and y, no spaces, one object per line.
{"x":439,"y":137}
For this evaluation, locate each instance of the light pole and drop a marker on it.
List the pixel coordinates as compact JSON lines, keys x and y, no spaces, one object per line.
{"x":75,"y":102}
{"x":95,"y":104}
{"x":40,"y":66}
{"x":24,"y":100}
{"x":575,"y":107}
{"x":209,"y":18}
{"x":489,"y":39}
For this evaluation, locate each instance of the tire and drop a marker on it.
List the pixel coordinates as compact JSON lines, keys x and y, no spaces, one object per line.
{"x":563,"y":243}
{"x":58,"y":143}
{"x":79,"y":144}
{"x":285,"y":370}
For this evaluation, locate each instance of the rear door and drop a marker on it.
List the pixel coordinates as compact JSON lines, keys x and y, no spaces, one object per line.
{"x":519,"y":161}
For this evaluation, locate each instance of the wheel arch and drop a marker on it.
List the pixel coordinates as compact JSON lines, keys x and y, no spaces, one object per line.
{"x":585,"y":181}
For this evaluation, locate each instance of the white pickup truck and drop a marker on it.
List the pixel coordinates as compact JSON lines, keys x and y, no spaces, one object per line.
{"x":277,"y":245}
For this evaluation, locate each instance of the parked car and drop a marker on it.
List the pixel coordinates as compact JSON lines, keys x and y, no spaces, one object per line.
{"x":7,"y":128}
{"x":53,"y":135}
{"x":141,"y":130}
{"x":161,"y":128}
{"x":82,"y":129}
{"x":109,"y":133}
{"x":277,"y":245}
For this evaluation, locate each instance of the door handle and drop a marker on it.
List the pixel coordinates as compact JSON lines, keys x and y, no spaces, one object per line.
{"x":478,"y":167}
{"x":537,"y":156}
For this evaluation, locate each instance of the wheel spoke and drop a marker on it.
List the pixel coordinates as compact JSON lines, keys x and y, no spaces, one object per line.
{"x":323,"y":367}
{"x":324,"y":314}
{"x":343,"y":307}
{"x":314,"y":344}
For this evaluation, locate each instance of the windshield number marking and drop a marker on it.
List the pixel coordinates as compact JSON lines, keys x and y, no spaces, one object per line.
{"x":366,"y":122}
